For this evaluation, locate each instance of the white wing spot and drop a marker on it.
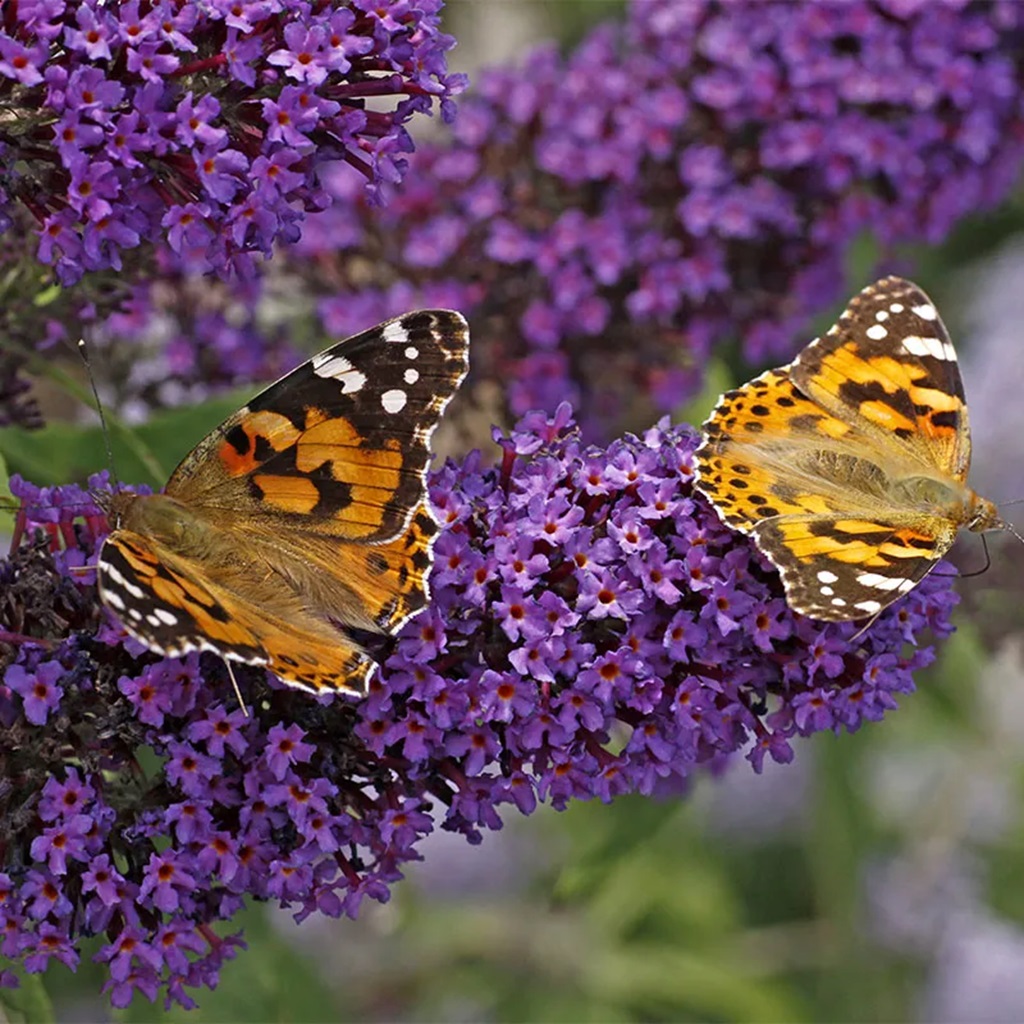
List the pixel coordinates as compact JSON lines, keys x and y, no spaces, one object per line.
{"x":896,"y":307}
{"x":934,"y":347}
{"x":411,"y":376}
{"x":876,"y":332}
{"x":118,"y":577}
{"x":113,"y":598}
{"x":394,"y":331}
{"x":838,"y":602}
{"x":871,"y":607}
{"x":926,"y":312}
{"x":134,"y":613}
{"x":881,"y":315}
{"x":412,"y":352}
{"x":394,"y":400}
{"x":877,"y":582}
{"x":166,"y":617}
{"x":827,"y":591}
{"x":827,"y":577}
{"x":340,"y":369}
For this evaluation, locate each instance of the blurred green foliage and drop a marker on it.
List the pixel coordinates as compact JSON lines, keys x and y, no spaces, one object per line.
{"x":62,"y":452}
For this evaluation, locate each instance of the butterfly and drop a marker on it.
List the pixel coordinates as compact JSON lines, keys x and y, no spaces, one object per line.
{"x":300,"y":519}
{"x":848,"y":466}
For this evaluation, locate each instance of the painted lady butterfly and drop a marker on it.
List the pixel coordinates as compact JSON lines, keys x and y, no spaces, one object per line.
{"x":304,"y":512}
{"x":848,"y":466}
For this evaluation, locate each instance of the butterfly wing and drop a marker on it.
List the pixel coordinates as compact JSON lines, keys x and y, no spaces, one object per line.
{"x":839,"y":567}
{"x":761,"y":455}
{"x":810,"y":489}
{"x":808,"y":457}
{"x":340,"y":446}
{"x":326,"y":469}
{"x":376,"y":586}
{"x":889,"y":366}
{"x":173,"y":606}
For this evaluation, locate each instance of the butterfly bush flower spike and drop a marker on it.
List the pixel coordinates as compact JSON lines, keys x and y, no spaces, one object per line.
{"x":691,"y":175}
{"x":568,"y":671}
{"x":694,"y":175}
{"x":205,"y":125}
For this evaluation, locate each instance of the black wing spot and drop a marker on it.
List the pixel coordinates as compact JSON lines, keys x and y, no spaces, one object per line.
{"x":334,"y":496}
{"x":238,"y":439}
{"x":218,"y":612}
{"x":263,"y":450}
{"x":946,"y":418}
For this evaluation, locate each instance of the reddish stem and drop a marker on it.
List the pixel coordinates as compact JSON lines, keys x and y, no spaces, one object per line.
{"x":198,"y":66}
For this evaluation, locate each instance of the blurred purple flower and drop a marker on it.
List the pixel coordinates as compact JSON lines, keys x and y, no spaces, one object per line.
{"x":692,"y":176}
{"x":644,"y":645}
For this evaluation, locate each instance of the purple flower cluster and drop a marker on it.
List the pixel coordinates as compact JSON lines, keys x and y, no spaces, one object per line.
{"x":694,"y":176}
{"x":202,"y":124}
{"x":166,"y":347}
{"x":594,"y":630}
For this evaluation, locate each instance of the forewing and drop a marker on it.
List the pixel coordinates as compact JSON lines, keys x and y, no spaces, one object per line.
{"x":764,"y":451}
{"x":888,"y":366}
{"x":340,"y":446}
{"x":838,"y":568}
{"x":174,"y":607}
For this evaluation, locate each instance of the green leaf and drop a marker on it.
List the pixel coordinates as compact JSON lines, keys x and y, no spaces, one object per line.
{"x":8,"y":503}
{"x":29,"y":1003}
{"x":658,"y":981}
{"x":62,"y":452}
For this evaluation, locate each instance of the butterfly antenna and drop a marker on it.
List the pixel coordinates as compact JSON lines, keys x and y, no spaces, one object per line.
{"x":84,"y":353}
{"x":1009,"y":526}
{"x":234,"y":683}
{"x":1010,"y":529}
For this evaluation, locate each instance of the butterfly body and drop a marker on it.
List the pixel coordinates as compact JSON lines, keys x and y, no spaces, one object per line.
{"x":849,"y":466}
{"x":301,"y":517}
